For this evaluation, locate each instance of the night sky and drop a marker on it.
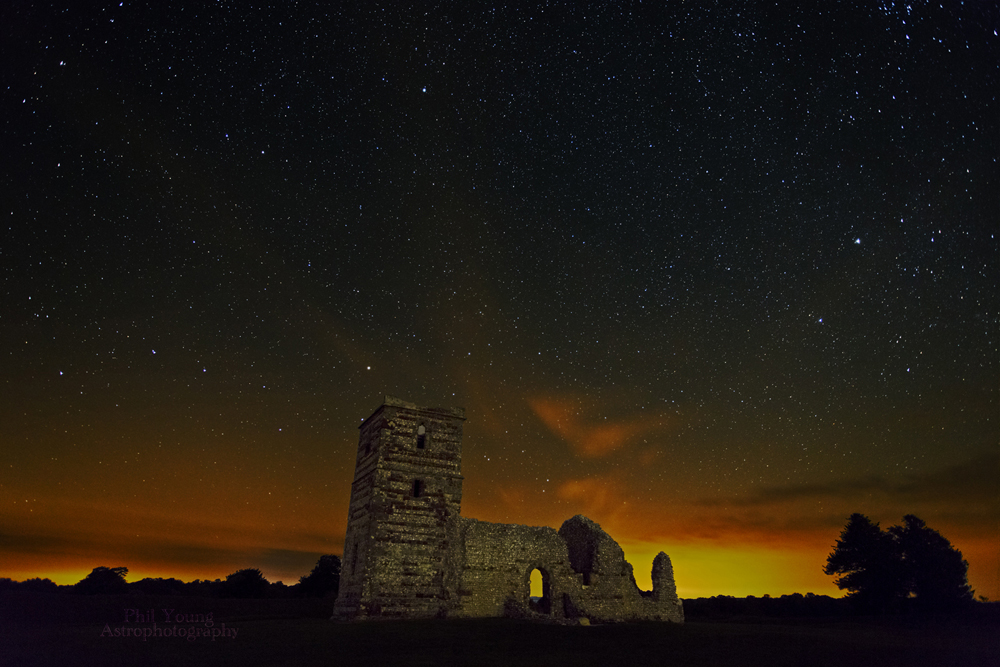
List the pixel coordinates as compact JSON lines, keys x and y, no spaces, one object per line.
{"x":715,"y":275}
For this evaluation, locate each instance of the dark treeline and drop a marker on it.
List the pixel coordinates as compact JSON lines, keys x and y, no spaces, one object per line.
{"x":812,"y":606}
{"x":786,"y":606}
{"x":323,"y":581}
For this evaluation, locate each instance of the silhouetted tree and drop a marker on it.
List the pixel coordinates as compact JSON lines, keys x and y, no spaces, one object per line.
{"x":103,"y":580}
{"x":932,"y":569}
{"x":158,"y":586}
{"x":248,"y":583}
{"x":204,"y":588}
{"x":881,"y":568}
{"x":38,"y":585}
{"x":278,"y":589}
{"x":323,"y":580}
{"x":869,"y":562}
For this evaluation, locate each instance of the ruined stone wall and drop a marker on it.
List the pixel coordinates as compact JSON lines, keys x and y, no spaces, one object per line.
{"x":496,"y":563}
{"x":409,"y":553}
{"x":584,"y":571}
{"x":608,"y":592}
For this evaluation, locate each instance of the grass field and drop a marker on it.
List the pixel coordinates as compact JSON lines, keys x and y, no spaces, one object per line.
{"x":66,"y":630}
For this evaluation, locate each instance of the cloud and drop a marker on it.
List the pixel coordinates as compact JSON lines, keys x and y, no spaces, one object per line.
{"x":962,"y":500}
{"x":38,"y":545}
{"x":970,"y":483}
{"x":593,"y":496}
{"x":589,"y":438}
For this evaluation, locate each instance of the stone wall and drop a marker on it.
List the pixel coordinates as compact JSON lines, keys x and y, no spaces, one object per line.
{"x":408,"y":552}
{"x":584,"y":572}
{"x":496,"y":564}
{"x":407,"y":490}
{"x":608,"y":591}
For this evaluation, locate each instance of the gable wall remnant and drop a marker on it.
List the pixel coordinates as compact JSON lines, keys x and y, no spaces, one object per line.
{"x":409,"y":553}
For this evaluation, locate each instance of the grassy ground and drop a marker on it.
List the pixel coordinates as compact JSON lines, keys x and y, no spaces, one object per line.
{"x":38,"y":629}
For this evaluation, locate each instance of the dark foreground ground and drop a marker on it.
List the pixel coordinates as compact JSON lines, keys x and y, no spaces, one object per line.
{"x":66,"y":630}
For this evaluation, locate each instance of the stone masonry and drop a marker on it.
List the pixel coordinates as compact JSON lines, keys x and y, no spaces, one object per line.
{"x":410,"y":554}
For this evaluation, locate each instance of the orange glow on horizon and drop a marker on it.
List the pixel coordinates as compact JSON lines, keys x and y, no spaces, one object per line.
{"x":701,"y":569}
{"x":739,"y":570}
{"x":774,"y":541}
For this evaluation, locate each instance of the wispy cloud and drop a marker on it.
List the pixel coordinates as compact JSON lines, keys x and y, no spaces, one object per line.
{"x":974,"y":482}
{"x":593,"y":496}
{"x":590,"y":438}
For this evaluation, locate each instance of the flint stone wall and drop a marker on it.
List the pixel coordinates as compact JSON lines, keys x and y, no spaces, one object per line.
{"x":584,"y":572}
{"x":409,"y":553}
{"x":497,"y":560}
{"x":399,"y":543}
{"x":607,"y":588}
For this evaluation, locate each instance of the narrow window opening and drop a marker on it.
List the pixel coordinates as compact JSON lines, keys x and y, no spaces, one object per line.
{"x":354,"y":559}
{"x":539,"y":591}
{"x":535,"y":584}
{"x":418,"y":488}
{"x":586,"y":578}
{"x":421,"y":437}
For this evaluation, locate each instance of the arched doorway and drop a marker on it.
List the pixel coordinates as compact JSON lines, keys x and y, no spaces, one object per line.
{"x":539,"y":590}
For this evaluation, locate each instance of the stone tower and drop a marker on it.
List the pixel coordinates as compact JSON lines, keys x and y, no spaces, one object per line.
{"x":402,"y":526}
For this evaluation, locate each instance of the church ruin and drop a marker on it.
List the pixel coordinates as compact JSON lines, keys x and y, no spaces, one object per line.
{"x":409,"y":553}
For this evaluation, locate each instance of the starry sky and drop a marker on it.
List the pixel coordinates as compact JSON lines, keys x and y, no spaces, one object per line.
{"x":716,"y":275}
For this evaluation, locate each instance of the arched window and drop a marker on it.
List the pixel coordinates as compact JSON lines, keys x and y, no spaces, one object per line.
{"x":418,"y":488}
{"x":421,"y":437}
{"x":539,"y":591}
{"x":535,"y":584}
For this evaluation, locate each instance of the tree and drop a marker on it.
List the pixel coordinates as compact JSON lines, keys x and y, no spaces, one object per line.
{"x":324,"y":578}
{"x":158,"y":586}
{"x":882,"y":568}
{"x":38,"y":585}
{"x":869,"y":562}
{"x":933,"y":570}
{"x":278,"y":590}
{"x":204,"y":588}
{"x":104,"y":580}
{"x":248,"y":583}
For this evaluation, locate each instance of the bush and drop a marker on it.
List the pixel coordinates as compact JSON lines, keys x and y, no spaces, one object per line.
{"x":248,"y":583}
{"x":323,"y":580}
{"x":104,"y":581}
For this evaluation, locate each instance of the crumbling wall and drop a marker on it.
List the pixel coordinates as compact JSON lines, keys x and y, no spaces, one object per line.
{"x":497,"y":562}
{"x":584,"y":571}
{"x":608,"y":592}
{"x":664,"y":588}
